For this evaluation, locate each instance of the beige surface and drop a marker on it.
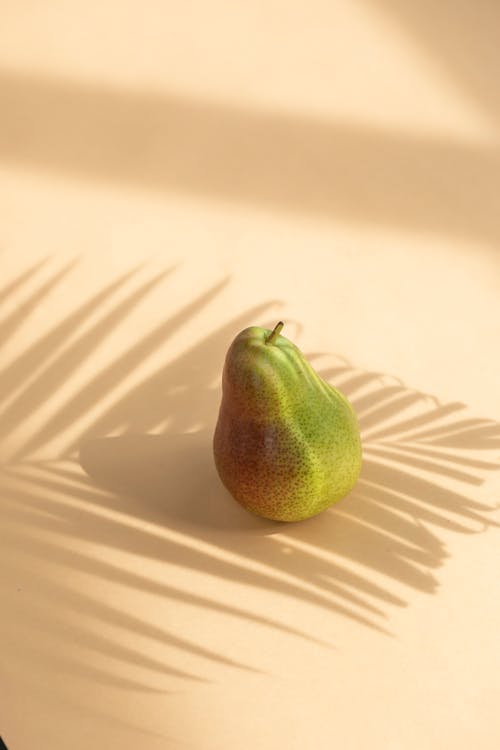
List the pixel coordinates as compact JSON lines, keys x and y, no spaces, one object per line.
{"x":170,"y":173}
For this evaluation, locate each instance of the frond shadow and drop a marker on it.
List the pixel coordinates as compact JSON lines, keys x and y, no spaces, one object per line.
{"x":35,"y":503}
{"x":21,"y":279}
{"x":10,"y":324}
{"x":150,"y":492}
{"x":394,"y":536}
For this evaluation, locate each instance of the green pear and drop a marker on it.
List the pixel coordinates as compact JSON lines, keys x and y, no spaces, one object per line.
{"x":287,"y":444}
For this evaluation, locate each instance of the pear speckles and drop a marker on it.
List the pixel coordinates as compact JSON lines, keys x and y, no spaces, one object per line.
{"x":286,"y":444}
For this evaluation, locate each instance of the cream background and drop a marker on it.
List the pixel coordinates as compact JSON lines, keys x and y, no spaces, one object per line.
{"x":335,"y":165}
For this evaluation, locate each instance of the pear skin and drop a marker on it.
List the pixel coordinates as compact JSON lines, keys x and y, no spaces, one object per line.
{"x":287,"y":444}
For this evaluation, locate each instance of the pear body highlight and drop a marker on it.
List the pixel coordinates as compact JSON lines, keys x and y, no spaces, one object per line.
{"x":286,"y":444}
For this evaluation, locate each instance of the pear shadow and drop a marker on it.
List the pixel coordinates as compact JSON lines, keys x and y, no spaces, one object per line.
{"x":173,"y":478}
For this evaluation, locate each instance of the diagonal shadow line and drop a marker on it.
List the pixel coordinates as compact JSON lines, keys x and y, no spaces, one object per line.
{"x":462,"y":39}
{"x":80,"y":524}
{"x":60,"y":369}
{"x":406,"y":425}
{"x":486,"y":435}
{"x":426,"y":490}
{"x":366,"y":402}
{"x":270,"y":159}
{"x":385,"y":396}
{"x":9,"y":325}
{"x":427,"y":464}
{"x":108,"y":379}
{"x":21,"y":279}
{"x":53,"y":659}
{"x":138,"y":409}
{"x":379,"y":408}
{"x":36,"y":356}
{"x":98,"y":715}
{"x":349,"y":385}
{"x":387,"y":409}
{"x":73,"y":560}
{"x":449,"y":430}
{"x":83,"y":635}
{"x":103,"y":612}
{"x":411,"y":449}
{"x":385,"y":498}
{"x":400,"y":525}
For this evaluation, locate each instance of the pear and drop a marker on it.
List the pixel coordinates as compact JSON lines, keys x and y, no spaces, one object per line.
{"x":286,"y":444}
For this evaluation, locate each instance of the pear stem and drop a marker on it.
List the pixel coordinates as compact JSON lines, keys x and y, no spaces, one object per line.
{"x":274,"y":333}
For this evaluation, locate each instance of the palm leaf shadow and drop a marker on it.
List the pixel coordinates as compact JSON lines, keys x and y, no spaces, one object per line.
{"x":393,"y":537}
{"x":57,"y":371}
{"x":28,"y":381}
{"x":21,"y":279}
{"x":413,"y":486}
{"x":12,"y":322}
{"x":19,"y":372}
